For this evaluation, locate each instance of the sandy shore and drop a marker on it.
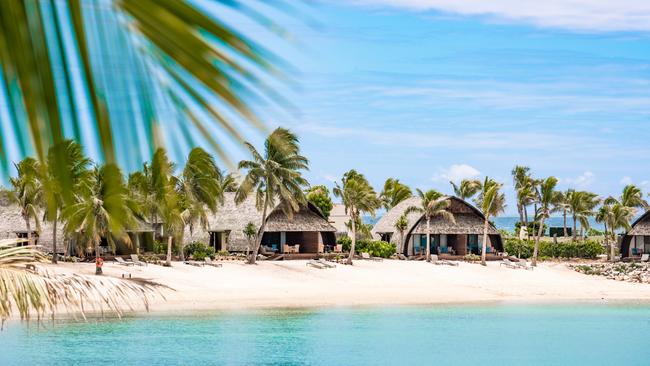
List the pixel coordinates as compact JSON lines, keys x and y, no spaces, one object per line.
{"x":293,"y":284}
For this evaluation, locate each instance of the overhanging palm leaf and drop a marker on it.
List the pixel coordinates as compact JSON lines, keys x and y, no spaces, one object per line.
{"x":175,"y":51}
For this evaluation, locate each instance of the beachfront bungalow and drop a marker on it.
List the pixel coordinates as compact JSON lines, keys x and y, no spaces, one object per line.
{"x":637,"y":240}
{"x":12,"y":225}
{"x":339,"y":219}
{"x":307,"y":232}
{"x":447,"y":238}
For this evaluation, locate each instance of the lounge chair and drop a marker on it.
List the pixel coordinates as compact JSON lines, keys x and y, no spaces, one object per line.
{"x":195,"y":263}
{"x":438,"y":261}
{"x":367,"y":256}
{"x":645,"y":257}
{"x":326,"y":263}
{"x":135,"y":260}
{"x":524,"y":264}
{"x":316,"y":264}
{"x":506,"y":262}
{"x":121,"y":261}
{"x":209,"y":262}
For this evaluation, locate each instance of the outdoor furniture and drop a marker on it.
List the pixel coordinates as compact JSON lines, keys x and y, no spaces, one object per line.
{"x":338,"y":248}
{"x":437,"y":261}
{"x":286,"y":248}
{"x":524,"y":264}
{"x":209,"y":262}
{"x":295,"y":248}
{"x":506,"y":262}
{"x":194,"y":263}
{"x":645,"y":257}
{"x":121,"y":261}
{"x":367,"y":256}
{"x":315,"y":264}
{"x":326,"y":263}
{"x":135,"y":260}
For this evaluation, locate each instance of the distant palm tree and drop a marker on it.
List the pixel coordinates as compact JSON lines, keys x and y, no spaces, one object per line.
{"x":615,"y":216}
{"x":104,"y":211}
{"x":250,"y":232}
{"x":633,"y":197}
{"x":467,"y":188}
{"x":394,"y":192}
{"x":27,"y":192}
{"x":275,"y":176}
{"x":581,"y":205}
{"x":401,"y":225}
{"x":547,"y":199}
{"x":227,"y":182}
{"x":199,"y":190}
{"x":522,"y":183}
{"x":562,"y":204}
{"x":432,"y":204}
{"x":65,"y":161}
{"x":47,"y":293}
{"x":358,"y":197}
{"x":491,"y":202}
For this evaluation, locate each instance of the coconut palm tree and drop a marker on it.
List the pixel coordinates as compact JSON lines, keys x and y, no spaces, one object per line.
{"x":432,"y":204}
{"x":199,"y":190}
{"x":26,"y":192}
{"x":633,"y":197}
{"x":173,"y":46}
{"x":491,"y":202}
{"x":547,"y":198}
{"x":562,"y":204}
{"x":275,"y":177}
{"x":581,"y":205}
{"x":466,"y":189}
{"x":358,"y":197}
{"x":65,"y":161}
{"x":104,"y":211}
{"x":227,"y":182}
{"x":615,"y":216}
{"x":401,"y":225}
{"x":522,"y":180}
{"x":394,"y":192}
{"x":250,"y":232}
{"x":32,"y":294}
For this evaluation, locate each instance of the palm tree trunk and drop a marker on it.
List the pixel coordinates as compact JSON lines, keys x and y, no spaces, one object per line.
{"x":401,"y":242}
{"x":612,"y":247}
{"x":539,"y":235}
{"x":168,"y":261}
{"x":521,"y":212}
{"x":54,"y":252}
{"x":260,"y":233}
{"x":574,"y":228}
{"x":354,"y":238}
{"x":428,"y":251}
{"x":606,"y":241}
{"x":565,"y":228}
{"x":525,"y":209}
{"x":29,"y":231}
{"x":485,"y":238}
{"x":137,"y":243}
{"x":98,"y":270}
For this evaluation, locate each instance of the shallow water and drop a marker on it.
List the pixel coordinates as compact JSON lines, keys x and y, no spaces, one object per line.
{"x":495,"y":335}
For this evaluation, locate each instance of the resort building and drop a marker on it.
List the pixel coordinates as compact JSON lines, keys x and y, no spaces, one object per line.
{"x":339,"y":219}
{"x":447,"y":238}
{"x":306,"y":232}
{"x":637,"y":240}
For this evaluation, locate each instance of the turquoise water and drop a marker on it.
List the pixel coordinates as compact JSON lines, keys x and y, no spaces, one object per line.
{"x":498,"y":335}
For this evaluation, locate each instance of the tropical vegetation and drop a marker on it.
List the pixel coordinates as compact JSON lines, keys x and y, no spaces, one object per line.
{"x":491,"y":202}
{"x":432,"y":204}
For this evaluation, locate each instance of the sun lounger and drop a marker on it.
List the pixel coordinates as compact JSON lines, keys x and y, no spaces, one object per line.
{"x":209,"y":262}
{"x":194,"y":263}
{"x":316,"y":264}
{"x":135,"y":260}
{"x":121,"y":261}
{"x":367,"y":256}
{"x":438,"y":261}
{"x":506,"y":262}
{"x":645,"y":257}
{"x":326,"y":263}
{"x":524,"y":264}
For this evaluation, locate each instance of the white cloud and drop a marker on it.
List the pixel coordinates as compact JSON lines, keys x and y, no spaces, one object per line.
{"x":581,"y":181}
{"x":581,"y":15}
{"x":456,"y":173}
{"x":626,"y":180}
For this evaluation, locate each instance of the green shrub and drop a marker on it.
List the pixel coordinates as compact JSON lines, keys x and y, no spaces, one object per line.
{"x":375,"y":248}
{"x":472,"y":257}
{"x":533,"y":227}
{"x":524,"y":249}
{"x":346,"y":242}
{"x":223,"y":253}
{"x":159,"y":247}
{"x":198,"y":251}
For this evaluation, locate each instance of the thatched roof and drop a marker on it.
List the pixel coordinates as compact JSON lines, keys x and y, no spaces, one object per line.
{"x":233,"y":218}
{"x":469,"y":220}
{"x":641,"y":226}
{"x":12,"y":222}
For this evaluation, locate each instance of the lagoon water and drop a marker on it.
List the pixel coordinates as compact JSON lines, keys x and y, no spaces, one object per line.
{"x":461,"y":335}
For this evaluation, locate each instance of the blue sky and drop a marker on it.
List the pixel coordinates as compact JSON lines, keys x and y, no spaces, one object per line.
{"x":428,"y":91}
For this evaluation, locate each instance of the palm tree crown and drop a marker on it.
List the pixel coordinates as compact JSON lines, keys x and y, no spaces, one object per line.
{"x":432,"y":204}
{"x":466,"y":189}
{"x":491,"y":202}
{"x":394,"y":192}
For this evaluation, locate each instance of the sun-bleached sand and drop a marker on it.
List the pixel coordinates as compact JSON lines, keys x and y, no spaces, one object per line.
{"x":293,"y":284}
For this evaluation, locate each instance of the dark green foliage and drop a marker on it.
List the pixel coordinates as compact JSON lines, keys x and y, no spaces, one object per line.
{"x":375,"y":248}
{"x":198,"y":251}
{"x":320,"y":197}
{"x":524,"y":249}
{"x":533,"y":227}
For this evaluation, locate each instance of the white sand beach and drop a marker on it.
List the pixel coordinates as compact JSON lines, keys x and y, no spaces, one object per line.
{"x":390,"y":282}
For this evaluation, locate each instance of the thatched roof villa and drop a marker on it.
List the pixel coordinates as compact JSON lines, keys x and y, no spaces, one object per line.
{"x":307,"y":232}
{"x":636,"y":241}
{"x":463,"y":237}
